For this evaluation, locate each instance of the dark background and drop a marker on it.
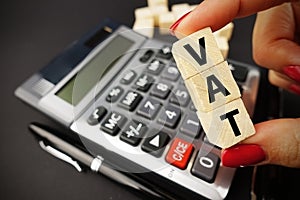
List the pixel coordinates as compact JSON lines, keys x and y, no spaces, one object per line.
{"x":32,"y":32}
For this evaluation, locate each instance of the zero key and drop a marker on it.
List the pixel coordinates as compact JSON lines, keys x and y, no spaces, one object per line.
{"x":206,"y":166}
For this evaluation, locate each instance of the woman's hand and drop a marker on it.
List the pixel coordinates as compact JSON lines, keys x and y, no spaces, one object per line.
{"x":275,"y":46}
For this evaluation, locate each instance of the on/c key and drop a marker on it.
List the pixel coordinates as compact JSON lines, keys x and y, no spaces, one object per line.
{"x":179,"y":153}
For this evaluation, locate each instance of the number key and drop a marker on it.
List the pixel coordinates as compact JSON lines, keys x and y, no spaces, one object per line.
{"x":206,"y":166}
{"x":171,"y":73}
{"x":170,"y":117}
{"x":161,"y":90}
{"x":180,"y":96}
{"x":149,"y":108}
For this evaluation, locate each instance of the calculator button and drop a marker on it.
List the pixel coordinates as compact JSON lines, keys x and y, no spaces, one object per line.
{"x":97,"y":115}
{"x":165,"y":52}
{"x":155,"y":67}
{"x":147,"y":55}
{"x":171,"y":73}
{"x":149,"y":108}
{"x":191,"y":126}
{"x":206,"y":166}
{"x":128,"y":77}
{"x":170,"y":116}
{"x":131,"y":100}
{"x":180,"y":96}
{"x":114,"y":94}
{"x":179,"y":153}
{"x":155,"y":144}
{"x":239,"y":73}
{"x":144,"y":82}
{"x":133,"y":133}
{"x":161,"y":90}
{"x":113,"y":123}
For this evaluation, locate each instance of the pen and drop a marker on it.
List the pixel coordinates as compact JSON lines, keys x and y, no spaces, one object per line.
{"x":67,"y":152}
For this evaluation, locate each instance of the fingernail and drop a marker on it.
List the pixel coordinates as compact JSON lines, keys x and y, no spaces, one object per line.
{"x":295,"y":88}
{"x":293,"y":72}
{"x":242,"y":155}
{"x":174,"y":26}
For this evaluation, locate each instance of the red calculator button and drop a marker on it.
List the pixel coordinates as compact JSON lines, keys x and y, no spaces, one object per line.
{"x":179,"y":153}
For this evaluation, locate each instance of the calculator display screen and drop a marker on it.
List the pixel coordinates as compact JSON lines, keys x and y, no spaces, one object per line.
{"x":94,"y":70}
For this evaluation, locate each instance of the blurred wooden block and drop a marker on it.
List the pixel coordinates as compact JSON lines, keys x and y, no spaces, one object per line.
{"x":153,"y":3}
{"x":193,"y":7}
{"x":213,"y":88}
{"x":196,"y":53}
{"x":223,"y":45}
{"x":180,"y":9}
{"x":157,"y":11}
{"x":227,"y":125}
{"x":165,"y":21}
{"x":226,"y":31}
{"x":143,"y":13}
{"x":144,"y":26}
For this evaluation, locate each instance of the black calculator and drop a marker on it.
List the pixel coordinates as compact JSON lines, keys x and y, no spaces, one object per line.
{"x":124,"y":96}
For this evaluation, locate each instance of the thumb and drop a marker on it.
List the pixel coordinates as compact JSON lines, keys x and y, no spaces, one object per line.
{"x":275,"y":142}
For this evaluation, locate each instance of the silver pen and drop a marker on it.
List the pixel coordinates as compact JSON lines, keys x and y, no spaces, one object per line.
{"x":66,"y":152}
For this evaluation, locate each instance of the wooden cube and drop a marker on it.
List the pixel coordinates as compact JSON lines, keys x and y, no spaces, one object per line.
{"x":226,"y":31}
{"x":144,"y":27}
{"x":180,"y":9}
{"x":193,"y":7}
{"x":213,"y":88}
{"x":227,"y":125}
{"x":157,"y":11}
{"x":196,"y":53}
{"x":223,"y":45}
{"x":142,"y":13}
{"x":153,"y":3}
{"x":165,"y":21}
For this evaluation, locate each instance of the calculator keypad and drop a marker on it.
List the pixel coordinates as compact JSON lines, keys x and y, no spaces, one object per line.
{"x":149,"y":108}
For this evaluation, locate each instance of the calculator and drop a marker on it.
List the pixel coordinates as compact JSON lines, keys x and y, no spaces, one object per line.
{"x":123,"y":95}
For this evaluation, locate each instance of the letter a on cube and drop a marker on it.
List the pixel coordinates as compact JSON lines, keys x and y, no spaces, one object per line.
{"x":213,"y":88}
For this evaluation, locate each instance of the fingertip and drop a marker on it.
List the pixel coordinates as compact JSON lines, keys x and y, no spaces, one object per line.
{"x":206,"y":14}
{"x":242,"y":155}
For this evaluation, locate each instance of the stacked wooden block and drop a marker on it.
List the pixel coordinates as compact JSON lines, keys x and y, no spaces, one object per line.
{"x":213,"y":90}
{"x":157,"y":14}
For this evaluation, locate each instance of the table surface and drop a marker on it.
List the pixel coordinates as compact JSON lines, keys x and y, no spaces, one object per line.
{"x":32,"y":33}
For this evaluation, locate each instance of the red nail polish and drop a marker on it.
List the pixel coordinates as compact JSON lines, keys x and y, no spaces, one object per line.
{"x":293,"y":72}
{"x":295,"y":88}
{"x":242,"y":155}
{"x":174,"y":26}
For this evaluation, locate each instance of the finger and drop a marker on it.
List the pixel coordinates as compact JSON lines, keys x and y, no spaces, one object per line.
{"x":274,"y":43}
{"x":279,"y":80}
{"x":275,"y":142}
{"x":216,"y":14}
{"x":283,"y":81}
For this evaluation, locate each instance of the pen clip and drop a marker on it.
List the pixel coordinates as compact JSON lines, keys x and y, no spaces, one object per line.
{"x":58,"y":154}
